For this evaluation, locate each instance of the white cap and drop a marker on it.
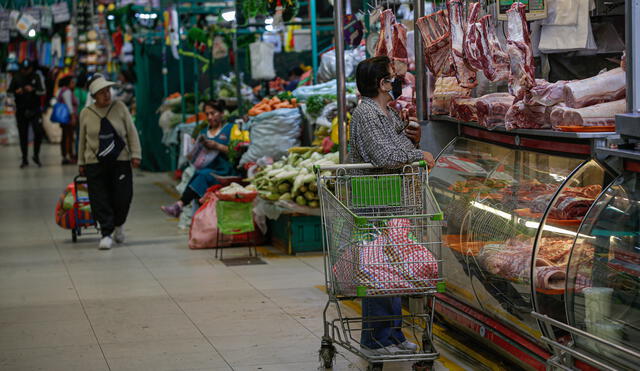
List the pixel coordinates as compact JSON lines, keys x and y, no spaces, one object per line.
{"x":99,"y":84}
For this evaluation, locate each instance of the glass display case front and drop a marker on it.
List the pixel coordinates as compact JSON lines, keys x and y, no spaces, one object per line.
{"x":603,"y":279}
{"x":499,"y":204}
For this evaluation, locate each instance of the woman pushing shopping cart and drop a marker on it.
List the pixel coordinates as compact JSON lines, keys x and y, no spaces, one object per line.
{"x":382,"y":232}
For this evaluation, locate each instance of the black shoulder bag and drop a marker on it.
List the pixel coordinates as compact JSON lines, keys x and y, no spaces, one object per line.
{"x":110,"y":143}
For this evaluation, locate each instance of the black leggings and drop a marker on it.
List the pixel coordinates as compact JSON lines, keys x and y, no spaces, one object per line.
{"x":188,"y":195}
{"x":24,"y":122}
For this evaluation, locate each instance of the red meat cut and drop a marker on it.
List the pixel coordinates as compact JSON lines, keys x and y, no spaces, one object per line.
{"x":457,"y":24}
{"x":436,"y":38}
{"x":605,"y":87}
{"x":522,"y":76}
{"x":526,"y":116}
{"x":385,"y":41}
{"x":596,"y":115}
{"x":492,"y":108}
{"x":474,"y":52}
{"x":547,"y":93}
{"x":464,"y":109}
{"x":497,"y":68}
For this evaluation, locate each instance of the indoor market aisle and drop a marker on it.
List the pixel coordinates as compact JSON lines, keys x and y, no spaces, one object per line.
{"x":151,"y":304}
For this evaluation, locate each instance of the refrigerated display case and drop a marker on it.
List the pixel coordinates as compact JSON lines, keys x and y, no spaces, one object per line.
{"x":603,"y":281}
{"x":512,"y":216}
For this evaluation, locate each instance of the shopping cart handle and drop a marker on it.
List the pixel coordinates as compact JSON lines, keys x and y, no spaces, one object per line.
{"x":363,"y":166}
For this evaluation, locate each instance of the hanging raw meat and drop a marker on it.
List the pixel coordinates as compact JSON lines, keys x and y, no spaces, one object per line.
{"x":385,"y":42}
{"x":498,"y":67}
{"x":399,"y":54}
{"x":492,"y":108}
{"x":605,"y":87}
{"x":457,"y":23}
{"x":474,"y":52}
{"x":436,"y":39}
{"x":522,"y":76}
{"x":603,"y":114}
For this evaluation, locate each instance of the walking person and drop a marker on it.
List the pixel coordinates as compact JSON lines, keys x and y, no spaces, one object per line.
{"x":108,"y":148}
{"x":27,"y":88}
{"x":380,"y":137}
{"x":66,"y":95}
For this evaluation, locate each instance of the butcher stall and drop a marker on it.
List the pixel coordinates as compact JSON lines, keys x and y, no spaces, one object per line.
{"x":540,"y":253}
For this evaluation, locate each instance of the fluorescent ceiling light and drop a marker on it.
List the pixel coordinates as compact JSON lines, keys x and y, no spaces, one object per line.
{"x":269,"y":27}
{"x":229,"y":16}
{"x":32,"y":33}
{"x":268,"y":21}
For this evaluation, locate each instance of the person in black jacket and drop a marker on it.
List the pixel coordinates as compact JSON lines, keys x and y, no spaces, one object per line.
{"x":27,"y":88}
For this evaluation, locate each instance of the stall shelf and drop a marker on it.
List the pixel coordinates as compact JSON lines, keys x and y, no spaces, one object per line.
{"x":512,"y":216}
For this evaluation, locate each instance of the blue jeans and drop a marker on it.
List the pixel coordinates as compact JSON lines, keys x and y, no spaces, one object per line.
{"x":378,"y":334}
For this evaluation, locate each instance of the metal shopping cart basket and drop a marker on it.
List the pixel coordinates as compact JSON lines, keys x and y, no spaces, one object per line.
{"x":381,"y":238}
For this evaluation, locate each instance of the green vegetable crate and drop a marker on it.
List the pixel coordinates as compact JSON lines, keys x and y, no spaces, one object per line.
{"x":297,"y":233}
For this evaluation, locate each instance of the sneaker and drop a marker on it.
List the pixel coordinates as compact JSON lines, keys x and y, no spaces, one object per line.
{"x":173,"y":210}
{"x":37,"y":161}
{"x":118,"y":234}
{"x":105,"y":243}
{"x":24,"y":164}
{"x":407,"y":345}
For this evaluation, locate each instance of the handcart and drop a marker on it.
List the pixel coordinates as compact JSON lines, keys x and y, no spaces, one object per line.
{"x":83,"y":217}
{"x":381,"y":238}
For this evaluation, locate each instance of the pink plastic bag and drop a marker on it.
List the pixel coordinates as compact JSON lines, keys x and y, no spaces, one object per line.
{"x":204,"y":231}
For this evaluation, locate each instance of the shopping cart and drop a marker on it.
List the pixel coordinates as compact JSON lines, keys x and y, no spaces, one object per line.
{"x":381,"y":238}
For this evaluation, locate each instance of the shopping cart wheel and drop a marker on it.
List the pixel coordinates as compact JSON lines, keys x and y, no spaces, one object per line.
{"x":375,"y":366}
{"x":327,"y":353}
{"x":423,"y":366}
{"x":74,"y":235}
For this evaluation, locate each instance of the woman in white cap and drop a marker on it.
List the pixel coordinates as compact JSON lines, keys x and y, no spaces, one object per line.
{"x":108,"y":147}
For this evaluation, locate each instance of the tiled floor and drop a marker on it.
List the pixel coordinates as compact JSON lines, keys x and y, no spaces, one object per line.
{"x":151,"y":304}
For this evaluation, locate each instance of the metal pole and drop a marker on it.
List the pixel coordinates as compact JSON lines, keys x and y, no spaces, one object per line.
{"x":236,"y":69}
{"x":181,"y":67}
{"x":338,"y":12}
{"x":196,"y":83}
{"x":418,"y":11}
{"x":633,"y":55}
{"x":314,"y":39}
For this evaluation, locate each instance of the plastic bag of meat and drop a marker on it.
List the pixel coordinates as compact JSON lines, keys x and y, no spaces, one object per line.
{"x":522,"y":77}
{"x":491,"y":109}
{"x":464,"y":109}
{"x":605,"y":87}
{"x":603,"y":114}
{"x":446,"y":89}
{"x":525,"y":116}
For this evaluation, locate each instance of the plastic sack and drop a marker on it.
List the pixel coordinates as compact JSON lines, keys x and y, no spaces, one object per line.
{"x":327,"y":69}
{"x":60,"y":113}
{"x":325,"y":88}
{"x":187,"y":174}
{"x":272,"y":134}
{"x":203,"y":232}
{"x":262,"y":61}
{"x":234,"y":217}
